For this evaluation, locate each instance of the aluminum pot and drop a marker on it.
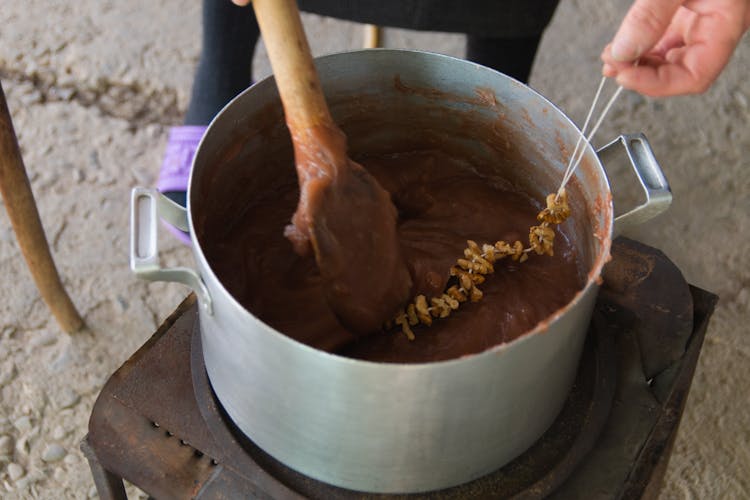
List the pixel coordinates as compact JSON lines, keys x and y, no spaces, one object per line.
{"x":380,"y":427}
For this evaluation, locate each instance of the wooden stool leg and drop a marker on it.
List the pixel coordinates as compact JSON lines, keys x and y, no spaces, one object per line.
{"x":24,"y":217}
{"x":372,"y":36}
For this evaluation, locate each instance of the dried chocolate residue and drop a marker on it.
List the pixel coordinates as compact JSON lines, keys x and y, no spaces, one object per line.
{"x":484,"y":96}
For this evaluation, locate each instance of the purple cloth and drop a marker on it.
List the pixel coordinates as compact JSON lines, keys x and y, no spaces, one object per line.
{"x":178,"y":157}
{"x":178,"y":160}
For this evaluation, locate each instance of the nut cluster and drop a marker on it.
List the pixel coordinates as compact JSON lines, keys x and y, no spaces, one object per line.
{"x":477,"y":262}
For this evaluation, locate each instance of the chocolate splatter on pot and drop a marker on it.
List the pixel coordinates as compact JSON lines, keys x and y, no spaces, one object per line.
{"x":390,"y":427}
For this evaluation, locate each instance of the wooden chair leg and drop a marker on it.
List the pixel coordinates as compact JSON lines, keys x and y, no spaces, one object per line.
{"x":24,"y":217}
{"x":371,"y":36}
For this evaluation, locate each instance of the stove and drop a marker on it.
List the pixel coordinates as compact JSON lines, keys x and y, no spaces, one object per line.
{"x":158,"y":425}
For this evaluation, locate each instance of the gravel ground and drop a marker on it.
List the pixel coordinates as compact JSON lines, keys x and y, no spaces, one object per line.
{"x":93,"y":87}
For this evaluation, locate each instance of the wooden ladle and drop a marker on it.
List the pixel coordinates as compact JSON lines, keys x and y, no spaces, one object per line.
{"x":343,"y":213}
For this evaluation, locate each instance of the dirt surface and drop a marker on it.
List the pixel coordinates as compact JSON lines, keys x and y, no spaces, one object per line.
{"x":93,"y":87}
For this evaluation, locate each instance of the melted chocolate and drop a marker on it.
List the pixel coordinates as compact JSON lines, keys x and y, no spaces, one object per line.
{"x":442,"y":202}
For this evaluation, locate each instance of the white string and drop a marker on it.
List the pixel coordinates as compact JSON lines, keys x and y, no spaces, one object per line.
{"x":577,"y":156}
{"x":581,"y":135}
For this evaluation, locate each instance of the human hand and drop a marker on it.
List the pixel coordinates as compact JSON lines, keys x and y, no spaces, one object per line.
{"x":673,"y":47}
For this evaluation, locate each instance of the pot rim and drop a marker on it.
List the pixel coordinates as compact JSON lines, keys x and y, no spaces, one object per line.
{"x":602,"y":256}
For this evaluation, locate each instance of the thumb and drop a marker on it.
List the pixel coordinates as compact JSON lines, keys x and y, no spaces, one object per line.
{"x":643,"y":26}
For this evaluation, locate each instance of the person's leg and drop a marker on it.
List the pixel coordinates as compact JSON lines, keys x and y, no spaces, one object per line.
{"x":512,"y":56}
{"x":225,"y":67}
{"x":230,"y":34}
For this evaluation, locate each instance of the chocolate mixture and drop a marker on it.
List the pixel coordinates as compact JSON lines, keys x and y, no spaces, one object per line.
{"x":442,"y":202}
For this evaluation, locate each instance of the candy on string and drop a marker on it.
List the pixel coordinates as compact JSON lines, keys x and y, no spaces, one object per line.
{"x":478,"y":262}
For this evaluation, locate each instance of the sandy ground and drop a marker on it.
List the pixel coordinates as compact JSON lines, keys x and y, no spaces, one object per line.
{"x":93,"y":87}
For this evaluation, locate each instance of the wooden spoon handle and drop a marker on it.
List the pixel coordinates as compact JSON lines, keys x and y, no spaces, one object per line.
{"x":292,"y":64}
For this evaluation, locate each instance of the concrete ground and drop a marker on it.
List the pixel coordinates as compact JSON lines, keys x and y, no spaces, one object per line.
{"x":93,"y":87}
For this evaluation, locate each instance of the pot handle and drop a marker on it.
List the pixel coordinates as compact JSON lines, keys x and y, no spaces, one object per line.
{"x":146,"y":207}
{"x":634,"y":151}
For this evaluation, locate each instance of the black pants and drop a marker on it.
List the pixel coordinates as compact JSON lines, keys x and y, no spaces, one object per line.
{"x":501,"y":34}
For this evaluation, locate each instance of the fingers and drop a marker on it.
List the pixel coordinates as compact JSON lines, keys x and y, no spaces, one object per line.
{"x":642,"y":28}
{"x":689,"y":58}
{"x":612,"y":68}
{"x":685,"y":70}
{"x":658,"y":81}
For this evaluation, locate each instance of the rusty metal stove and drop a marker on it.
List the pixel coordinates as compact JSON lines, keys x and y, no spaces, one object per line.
{"x":158,"y":425}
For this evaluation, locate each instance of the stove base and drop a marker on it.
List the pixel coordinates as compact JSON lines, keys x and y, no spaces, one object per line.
{"x":157,"y":423}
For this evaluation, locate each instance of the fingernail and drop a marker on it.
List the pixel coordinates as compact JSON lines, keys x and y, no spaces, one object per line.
{"x":624,"y":50}
{"x":608,"y":70}
{"x":621,"y":80}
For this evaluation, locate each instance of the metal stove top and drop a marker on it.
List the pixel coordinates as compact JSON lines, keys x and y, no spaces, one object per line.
{"x":158,"y":425}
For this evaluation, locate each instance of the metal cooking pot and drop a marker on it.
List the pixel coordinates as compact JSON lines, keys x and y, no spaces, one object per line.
{"x":390,"y":427}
